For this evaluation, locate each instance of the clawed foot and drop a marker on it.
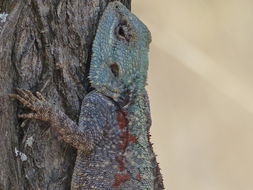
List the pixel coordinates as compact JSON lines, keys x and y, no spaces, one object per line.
{"x":42,"y":109}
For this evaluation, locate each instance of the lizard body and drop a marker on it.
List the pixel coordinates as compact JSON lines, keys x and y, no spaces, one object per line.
{"x":112,"y":136}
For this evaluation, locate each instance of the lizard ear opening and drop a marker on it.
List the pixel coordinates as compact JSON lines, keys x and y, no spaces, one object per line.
{"x":115,"y":69}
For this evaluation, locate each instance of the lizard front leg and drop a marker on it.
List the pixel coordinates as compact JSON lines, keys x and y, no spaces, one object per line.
{"x":43,"y":110}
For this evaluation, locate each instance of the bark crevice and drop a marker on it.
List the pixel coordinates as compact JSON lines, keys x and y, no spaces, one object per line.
{"x":44,"y":46}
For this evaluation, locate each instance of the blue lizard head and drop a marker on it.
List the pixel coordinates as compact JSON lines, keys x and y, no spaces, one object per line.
{"x":119,"y":61}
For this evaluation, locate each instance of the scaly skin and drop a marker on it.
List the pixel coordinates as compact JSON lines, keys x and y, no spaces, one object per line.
{"x":112,"y":137}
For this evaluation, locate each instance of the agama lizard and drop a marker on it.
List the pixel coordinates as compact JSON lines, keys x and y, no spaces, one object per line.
{"x":112,"y":137}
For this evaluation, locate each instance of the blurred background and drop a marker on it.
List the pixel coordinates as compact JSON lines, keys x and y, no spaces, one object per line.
{"x":200,"y":87}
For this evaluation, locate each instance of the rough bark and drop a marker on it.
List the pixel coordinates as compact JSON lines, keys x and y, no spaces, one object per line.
{"x":45,"y":46}
{"x":7,"y":5}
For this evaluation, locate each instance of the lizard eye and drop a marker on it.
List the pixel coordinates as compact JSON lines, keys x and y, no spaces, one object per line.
{"x":123,"y":31}
{"x":114,"y":69}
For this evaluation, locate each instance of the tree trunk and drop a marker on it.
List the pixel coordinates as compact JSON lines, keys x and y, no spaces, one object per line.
{"x":45,"y":45}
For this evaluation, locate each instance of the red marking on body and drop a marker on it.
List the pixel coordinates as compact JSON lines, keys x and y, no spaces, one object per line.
{"x":132,"y":138}
{"x":138,"y":177}
{"x":126,"y":138}
{"x":122,"y":119}
{"x":121,"y":164}
{"x":120,"y":178}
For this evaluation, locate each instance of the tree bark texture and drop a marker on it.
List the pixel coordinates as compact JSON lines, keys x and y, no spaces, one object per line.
{"x":45,"y":45}
{"x":7,"y":5}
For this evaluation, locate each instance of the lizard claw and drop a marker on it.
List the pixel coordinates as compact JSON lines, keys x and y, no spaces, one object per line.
{"x":21,"y":99}
{"x":30,"y":116}
{"x":36,"y":103}
{"x":40,"y":96}
{"x":26,"y":98}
